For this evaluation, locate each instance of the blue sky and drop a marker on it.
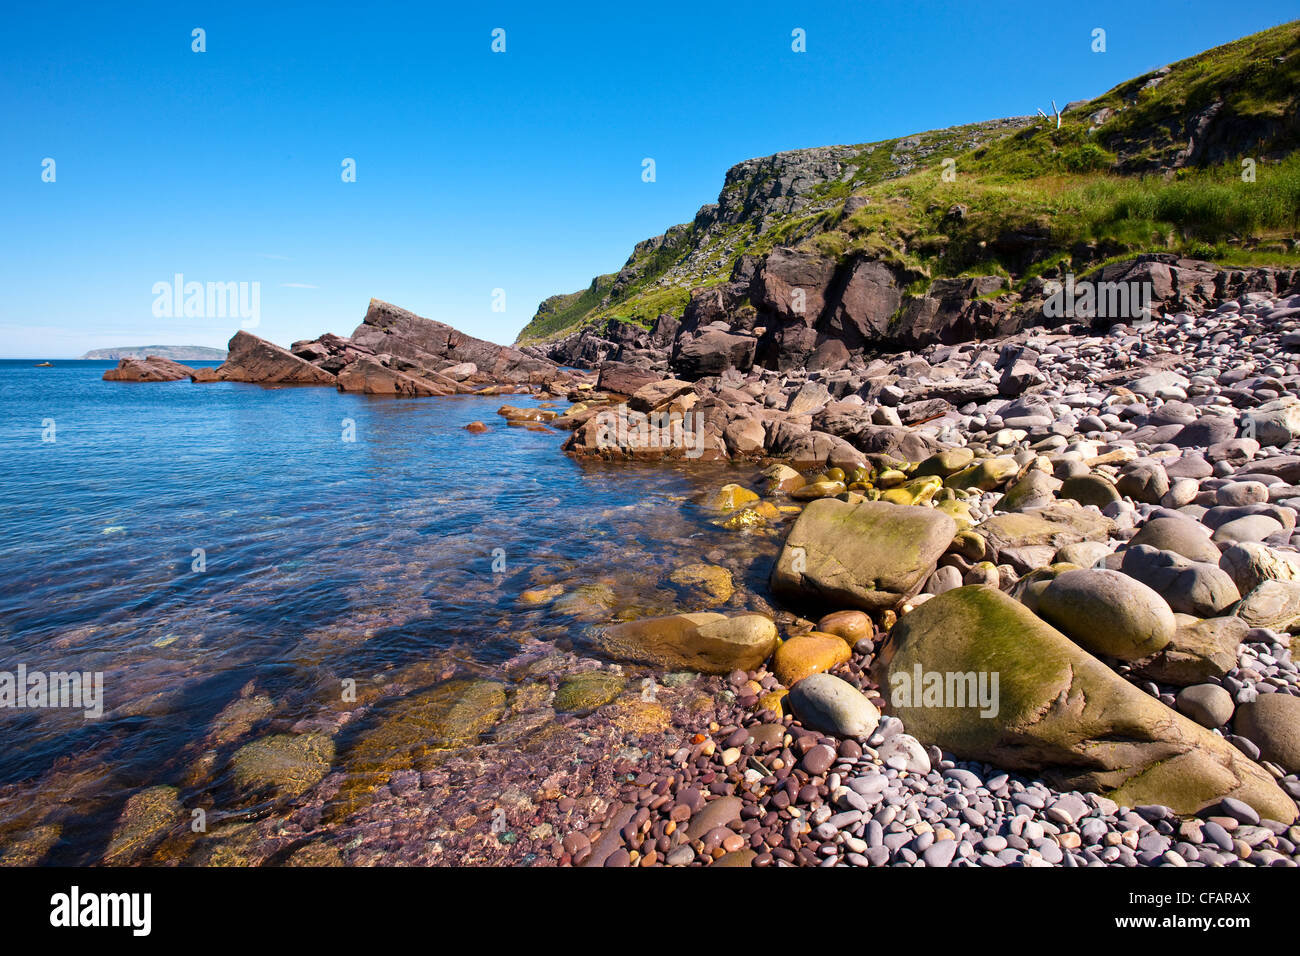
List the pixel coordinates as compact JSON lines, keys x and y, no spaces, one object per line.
{"x":476,"y":171}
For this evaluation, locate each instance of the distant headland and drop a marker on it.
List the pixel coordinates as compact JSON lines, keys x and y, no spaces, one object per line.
{"x":177,"y":353}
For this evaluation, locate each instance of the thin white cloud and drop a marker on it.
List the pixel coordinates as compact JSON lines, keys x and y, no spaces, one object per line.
{"x":297,"y":285}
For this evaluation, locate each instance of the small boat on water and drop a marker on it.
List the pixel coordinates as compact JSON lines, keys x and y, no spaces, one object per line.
{"x":45,"y":365}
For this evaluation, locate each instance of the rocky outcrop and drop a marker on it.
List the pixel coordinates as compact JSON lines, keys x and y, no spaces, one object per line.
{"x":256,"y":360}
{"x":388,"y":329}
{"x":153,"y":368}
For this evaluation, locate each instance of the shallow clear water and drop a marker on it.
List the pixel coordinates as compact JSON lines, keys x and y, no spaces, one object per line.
{"x":326,"y":560}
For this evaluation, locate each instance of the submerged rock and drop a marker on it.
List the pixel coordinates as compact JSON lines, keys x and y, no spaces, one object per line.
{"x":582,"y":693}
{"x":286,"y":765}
{"x":145,"y":820}
{"x":709,"y":580}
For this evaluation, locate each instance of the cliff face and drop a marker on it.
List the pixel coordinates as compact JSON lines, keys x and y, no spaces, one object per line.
{"x":951,"y":234}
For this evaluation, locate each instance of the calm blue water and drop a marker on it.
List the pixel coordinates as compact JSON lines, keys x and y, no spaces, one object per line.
{"x":325,"y":559}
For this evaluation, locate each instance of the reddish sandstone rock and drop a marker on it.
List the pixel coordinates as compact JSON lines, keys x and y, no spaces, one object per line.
{"x":395,"y":331}
{"x":152,"y":368}
{"x":256,"y":360}
{"x":368,"y":376}
{"x":476,"y":428}
{"x":624,"y":379}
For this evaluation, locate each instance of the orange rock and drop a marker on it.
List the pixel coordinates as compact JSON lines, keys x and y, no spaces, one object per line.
{"x":852,"y":626}
{"x":805,"y":654}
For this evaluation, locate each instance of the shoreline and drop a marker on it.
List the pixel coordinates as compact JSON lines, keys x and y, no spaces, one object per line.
{"x":738,"y":783}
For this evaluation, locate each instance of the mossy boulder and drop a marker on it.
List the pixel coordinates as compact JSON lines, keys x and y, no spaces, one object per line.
{"x":1036,"y":489}
{"x":918,"y":491}
{"x":1060,"y":713}
{"x":705,"y":642}
{"x":869,"y":555}
{"x":958,"y":511}
{"x":945,"y":463}
{"x":986,"y":475}
{"x":782,"y":478}
{"x":1089,"y":490}
{"x":818,"y":489}
{"x":731,"y":497}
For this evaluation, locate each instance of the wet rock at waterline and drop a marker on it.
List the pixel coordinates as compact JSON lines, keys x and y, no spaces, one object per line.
{"x":705,"y":642}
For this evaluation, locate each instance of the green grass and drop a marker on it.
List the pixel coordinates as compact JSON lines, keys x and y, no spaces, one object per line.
{"x":1088,"y":194}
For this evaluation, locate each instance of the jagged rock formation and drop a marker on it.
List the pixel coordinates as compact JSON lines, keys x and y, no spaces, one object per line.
{"x":152,"y":368}
{"x":392,"y":352}
{"x":253,"y":359}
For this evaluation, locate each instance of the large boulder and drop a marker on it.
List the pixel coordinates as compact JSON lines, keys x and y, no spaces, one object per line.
{"x":251,"y":359}
{"x":705,"y":642}
{"x":870,"y":555}
{"x":861,"y":313}
{"x":827,"y":703}
{"x":389,"y":329}
{"x":1183,"y":536}
{"x":1273,"y":423}
{"x":1060,"y":713}
{"x":1272,"y":604}
{"x":1107,"y":613}
{"x":1272,"y":723}
{"x":1189,"y":587}
{"x":712,"y":353}
{"x":151,"y":368}
{"x":624,"y":379}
